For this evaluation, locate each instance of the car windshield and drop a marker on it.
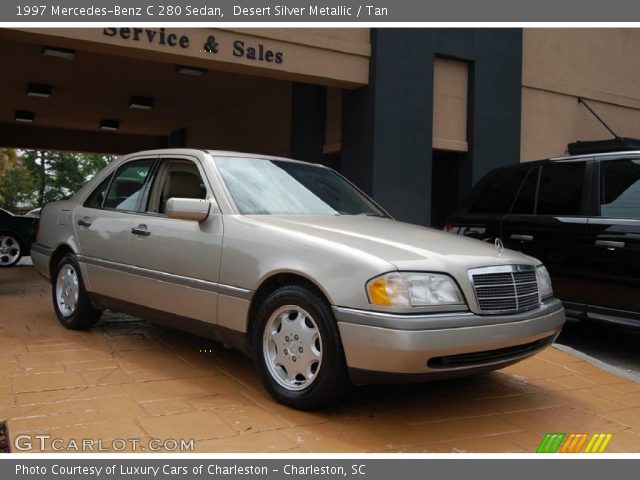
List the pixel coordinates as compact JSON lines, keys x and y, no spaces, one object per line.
{"x":279,"y":187}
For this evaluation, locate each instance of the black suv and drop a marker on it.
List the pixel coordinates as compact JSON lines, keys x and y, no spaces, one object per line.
{"x":580,"y":216}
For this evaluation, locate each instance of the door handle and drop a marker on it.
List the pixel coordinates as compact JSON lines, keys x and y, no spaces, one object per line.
{"x":609,"y":244}
{"x":141,"y":230}
{"x":522,"y":238}
{"x":84,"y":222}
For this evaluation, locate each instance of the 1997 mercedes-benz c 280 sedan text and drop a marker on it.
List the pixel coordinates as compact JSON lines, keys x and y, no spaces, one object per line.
{"x":290,"y":263}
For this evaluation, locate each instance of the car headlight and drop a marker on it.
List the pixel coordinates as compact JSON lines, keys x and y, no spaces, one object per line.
{"x":544,"y":282}
{"x":413,"y":289}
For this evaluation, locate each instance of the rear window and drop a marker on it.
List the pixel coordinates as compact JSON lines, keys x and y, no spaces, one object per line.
{"x":496,"y":191}
{"x":126,"y":187}
{"x":620,"y":197}
{"x":96,"y":199}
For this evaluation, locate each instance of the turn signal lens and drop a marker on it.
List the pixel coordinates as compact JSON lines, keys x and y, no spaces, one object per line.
{"x":378,"y":292}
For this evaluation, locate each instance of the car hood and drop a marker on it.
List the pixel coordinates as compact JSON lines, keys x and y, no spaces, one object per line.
{"x":406,"y":246}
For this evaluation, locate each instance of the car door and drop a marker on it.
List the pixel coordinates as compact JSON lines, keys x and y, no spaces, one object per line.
{"x":103,"y":227}
{"x":176,"y":263}
{"x":548,"y":221}
{"x":613,"y":287}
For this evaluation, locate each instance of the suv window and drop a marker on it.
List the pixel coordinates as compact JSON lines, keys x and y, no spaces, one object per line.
{"x":98,"y":195}
{"x":526,"y":201}
{"x":126,"y":188}
{"x":620,"y":189}
{"x":561,"y":186}
{"x":175,"y":179}
{"x":496,"y":191}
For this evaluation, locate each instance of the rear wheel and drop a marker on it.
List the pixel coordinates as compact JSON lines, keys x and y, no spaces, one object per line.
{"x":298,"y":351}
{"x":10,"y":250}
{"x":70,"y":299}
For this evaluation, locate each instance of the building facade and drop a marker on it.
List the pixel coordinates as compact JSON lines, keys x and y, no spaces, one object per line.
{"x":413,"y":116}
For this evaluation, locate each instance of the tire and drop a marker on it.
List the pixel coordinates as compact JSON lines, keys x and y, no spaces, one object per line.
{"x":70,"y":300}
{"x":11,"y":250}
{"x":296,"y":331}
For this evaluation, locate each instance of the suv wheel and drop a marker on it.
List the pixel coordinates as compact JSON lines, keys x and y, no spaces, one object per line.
{"x":10,"y":250}
{"x":298,"y":351}
{"x":70,"y":300}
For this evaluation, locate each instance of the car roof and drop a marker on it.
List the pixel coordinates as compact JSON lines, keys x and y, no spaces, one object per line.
{"x":574,"y":158}
{"x":596,"y":155}
{"x":215,"y":153}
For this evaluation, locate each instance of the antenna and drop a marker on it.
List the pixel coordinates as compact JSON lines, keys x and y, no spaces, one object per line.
{"x":583,"y":102}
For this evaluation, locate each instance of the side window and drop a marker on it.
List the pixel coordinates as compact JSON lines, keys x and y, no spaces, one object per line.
{"x":496,"y":191}
{"x":525,"y":203}
{"x":561,"y":186}
{"x":620,"y":189}
{"x":126,"y":188}
{"x":175,"y":179}
{"x":98,"y":195}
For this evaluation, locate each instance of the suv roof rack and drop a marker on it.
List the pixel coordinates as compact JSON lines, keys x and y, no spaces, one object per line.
{"x":619,"y":144}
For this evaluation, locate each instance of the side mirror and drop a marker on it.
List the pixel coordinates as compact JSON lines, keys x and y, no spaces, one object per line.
{"x":188,"y":208}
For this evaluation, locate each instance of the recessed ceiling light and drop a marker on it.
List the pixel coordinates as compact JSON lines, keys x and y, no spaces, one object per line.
{"x":65,"y":53}
{"x":107,"y":124}
{"x":24,"y":116}
{"x":190,"y":71}
{"x":39,"y":90}
{"x":141,"y":103}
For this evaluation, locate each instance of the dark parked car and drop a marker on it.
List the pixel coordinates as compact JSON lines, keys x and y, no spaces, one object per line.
{"x":580,"y":216}
{"x":16,"y":235}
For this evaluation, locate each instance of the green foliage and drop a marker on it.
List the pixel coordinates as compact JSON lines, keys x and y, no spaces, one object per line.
{"x":35,"y":177}
{"x":17,"y":185}
{"x":8,"y":160}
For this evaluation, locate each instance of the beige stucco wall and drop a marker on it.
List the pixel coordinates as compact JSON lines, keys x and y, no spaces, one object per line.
{"x":560,"y":65}
{"x":450,"y":92}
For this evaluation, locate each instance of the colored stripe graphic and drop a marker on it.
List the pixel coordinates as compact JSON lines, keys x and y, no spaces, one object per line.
{"x":574,"y":443}
{"x":598,"y":443}
{"x":550,"y":443}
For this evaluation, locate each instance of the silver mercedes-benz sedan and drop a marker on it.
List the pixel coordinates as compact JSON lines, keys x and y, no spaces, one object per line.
{"x":290,"y":263}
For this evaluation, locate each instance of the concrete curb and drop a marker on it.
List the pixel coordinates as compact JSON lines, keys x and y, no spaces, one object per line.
{"x":621,"y":372}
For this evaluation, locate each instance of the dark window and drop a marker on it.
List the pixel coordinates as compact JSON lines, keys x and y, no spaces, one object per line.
{"x":560,"y":191}
{"x":620,"y":189}
{"x":525,"y":203}
{"x":126,"y":188}
{"x":496,"y":191}
{"x":98,"y":195}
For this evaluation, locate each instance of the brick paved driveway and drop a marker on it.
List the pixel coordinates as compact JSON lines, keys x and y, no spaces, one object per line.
{"x":127,"y":378}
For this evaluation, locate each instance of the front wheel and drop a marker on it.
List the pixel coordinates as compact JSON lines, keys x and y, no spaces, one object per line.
{"x":70,"y":300}
{"x":298,"y":351}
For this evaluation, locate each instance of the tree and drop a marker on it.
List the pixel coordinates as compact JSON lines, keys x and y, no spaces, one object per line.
{"x":30,"y":178}
{"x":8,"y":160}
{"x":17,"y":185}
{"x":17,"y":189}
{"x":61,"y":174}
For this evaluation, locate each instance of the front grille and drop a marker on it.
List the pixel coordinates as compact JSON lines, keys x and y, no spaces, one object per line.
{"x":505,"y":289}
{"x":489,"y":356}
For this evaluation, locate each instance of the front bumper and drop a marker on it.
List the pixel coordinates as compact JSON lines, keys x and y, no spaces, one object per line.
{"x":400,"y":348}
